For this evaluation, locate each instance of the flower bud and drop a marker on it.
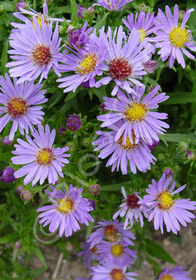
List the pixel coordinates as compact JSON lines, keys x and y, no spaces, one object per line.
{"x":92,"y":203}
{"x":94,"y":189}
{"x":7,"y":175}
{"x":6,"y":141}
{"x":73,"y":123}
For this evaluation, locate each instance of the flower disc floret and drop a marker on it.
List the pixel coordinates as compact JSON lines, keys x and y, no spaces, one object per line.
{"x":66,"y":205}
{"x":132,"y":201}
{"x":178,"y":36}
{"x":167,"y":277}
{"x":117,"y":274}
{"x":136,"y":112}
{"x":117,"y":250}
{"x":177,"y":273}
{"x":44,"y":156}
{"x":88,"y":64}
{"x":120,"y":69}
{"x":41,"y":55}
{"x":165,"y":200}
{"x":17,"y":107}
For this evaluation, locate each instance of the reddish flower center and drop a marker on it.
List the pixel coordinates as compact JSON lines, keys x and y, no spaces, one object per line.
{"x":41,"y":55}
{"x":120,"y":69}
{"x":117,"y":274}
{"x":110,"y":232}
{"x":66,"y":205}
{"x":132,"y":201}
{"x":44,"y":156}
{"x":17,"y":107}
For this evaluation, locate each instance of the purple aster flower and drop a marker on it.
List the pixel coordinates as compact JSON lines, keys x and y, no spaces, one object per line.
{"x":79,"y":37}
{"x":153,"y":145}
{"x":110,"y":232}
{"x":85,"y":64}
{"x":165,"y":209}
{"x":89,"y":254}
{"x":92,"y":203}
{"x":137,"y":114}
{"x":112,"y":5}
{"x":94,"y":189}
{"x":7,"y":175}
{"x":173,"y":37}
{"x":20,"y":105}
{"x":35,"y":50}
{"x":40,"y":157}
{"x":125,"y":60}
{"x":144,"y":23}
{"x":133,"y":208}
{"x":118,"y":252}
{"x":6,"y":141}
{"x":112,"y":271}
{"x":177,"y":273}
{"x":138,"y":155}
{"x":73,"y":123}
{"x":20,"y":5}
{"x":68,"y":208}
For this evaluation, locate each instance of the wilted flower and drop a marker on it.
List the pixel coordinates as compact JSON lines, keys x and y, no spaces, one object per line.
{"x":168,"y":172}
{"x":61,"y":130}
{"x":189,"y":155}
{"x":73,"y":123}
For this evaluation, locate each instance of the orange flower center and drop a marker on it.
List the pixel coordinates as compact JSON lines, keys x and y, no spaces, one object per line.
{"x":167,"y":277}
{"x":17,"y":107}
{"x":44,"y":156}
{"x":66,"y":205}
{"x":128,"y":145}
{"x":165,"y":200}
{"x":117,"y":274}
{"x":41,"y":54}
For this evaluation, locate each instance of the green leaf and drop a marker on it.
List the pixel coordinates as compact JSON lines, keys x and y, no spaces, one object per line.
{"x":177,"y":137}
{"x":39,"y":254}
{"x":2,"y":264}
{"x":70,"y":95}
{"x":10,"y":238}
{"x":73,"y":12}
{"x":4,"y":57}
{"x":155,"y":250}
{"x":180,"y":98}
{"x":100,"y":23}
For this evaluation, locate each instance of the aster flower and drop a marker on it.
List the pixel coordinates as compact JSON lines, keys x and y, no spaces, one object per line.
{"x":89,"y":254}
{"x":19,"y":105}
{"x":35,"y":51}
{"x":125,"y":60}
{"x":144,"y":23}
{"x":73,"y":123}
{"x":137,"y":155}
{"x":40,"y":157}
{"x":7,"y":175}
{"x":112,"y":5}
{"x":84,"y":64}
{"x":118,"y":252}
{"x":110,"y":232}
{"x":137,"y":114}
{"x":177,"y":273}
{"x":173,"y":38}
{"x":112,"y":271}
{"x":133,"y":208}
{"x":68,"y":208}
{"x":165,"y":209}
{"x":79,"y":38}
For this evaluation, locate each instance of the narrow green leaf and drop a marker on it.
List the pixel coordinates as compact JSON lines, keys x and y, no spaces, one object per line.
{"x":180,"y":98}
{"x":10,"y":238}
{"x":100,"y":23}
{"x":177,"y":137}
{"x":73,"y":12}
{"x":39,"y":254}
{"x":70,"y":95}
{"x":155,"y":250}
{"x":4,"y":57}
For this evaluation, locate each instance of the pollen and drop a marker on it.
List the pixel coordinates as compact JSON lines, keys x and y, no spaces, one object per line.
{"x":17,"y":107}
{"x":117,"y":274}
{"x":132,"y":201}
{"x":38,"y":17}
{"x":110,"y":233}
{"x":41,"y":54}
{"x":165,"y":200}
{"x":120,"y":69}
{"x":128,"y":145}
{"x":117,"y":250}
{"x":167,"y":277}
{"x":136,"y":112}
{"x":66,"y":205}
{"x":178,"y":36}
{"x":142,"y":34}
{"x":88,"y":64}
{"x":44,"y":156}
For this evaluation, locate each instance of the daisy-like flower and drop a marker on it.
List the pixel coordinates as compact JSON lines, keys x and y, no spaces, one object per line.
{"x":68,"y":208}
{"x":165,"y":209}
{"x":133,"y":208}
{"x":137,"y":115}
{"x":79,"y":38}
{"x":125,"y":60}
{"x":110,"y":232}
{"x":137,"y":155}
{"x":40,"y":157}
{"x":118,"y":252}
{"x":35,"y":51}
{"x":142,"y":22}
{"x":84,"y":65}
{"x":177,"y":273}
{"x":89,"y":254}
{"x":19,"y":105}
{"x":112,"y":271}
{"x":173,"y":37}
{"x":113,"y":5}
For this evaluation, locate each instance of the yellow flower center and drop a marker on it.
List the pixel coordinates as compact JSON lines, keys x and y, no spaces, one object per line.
{"x":178,"y":36}
{"x":142,"y":34}
{"x":17,"y":107}
{"x":38,"y":18}
{"x":117,"y":274}
{"x":87,"y":65}
{"x":167,"y":277}
{"x":117,"y":250}
{"x":165,"y":200}
{"x":44,"y":156}
{"x":66,"y":205}
{"x":128,"y":145}
{"x":136,"y":112}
